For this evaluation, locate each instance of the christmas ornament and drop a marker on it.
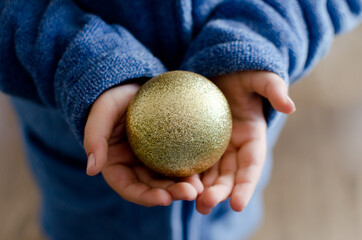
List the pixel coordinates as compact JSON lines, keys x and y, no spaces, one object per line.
{"x":179,"y":123}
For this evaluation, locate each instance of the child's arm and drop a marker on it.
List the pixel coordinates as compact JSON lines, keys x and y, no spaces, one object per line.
{"x":284,"y":37}
{"x":55,"y":54}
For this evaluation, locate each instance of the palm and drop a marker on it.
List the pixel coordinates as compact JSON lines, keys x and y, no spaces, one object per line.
{"x":127,"y":176}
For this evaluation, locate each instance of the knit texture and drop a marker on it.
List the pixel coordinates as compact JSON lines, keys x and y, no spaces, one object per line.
{"x":63,"y":54}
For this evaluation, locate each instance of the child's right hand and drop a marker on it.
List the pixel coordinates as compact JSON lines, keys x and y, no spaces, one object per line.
{"x":108,"y":152}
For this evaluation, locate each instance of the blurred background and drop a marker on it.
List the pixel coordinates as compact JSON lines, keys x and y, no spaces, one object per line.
{"x":316,"y":189}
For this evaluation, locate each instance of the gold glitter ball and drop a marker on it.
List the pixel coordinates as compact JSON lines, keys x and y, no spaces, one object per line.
{"x":179,"y":123}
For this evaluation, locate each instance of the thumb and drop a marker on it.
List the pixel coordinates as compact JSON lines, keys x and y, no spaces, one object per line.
{"x":272,"y":87}
{"x":104,"y":116}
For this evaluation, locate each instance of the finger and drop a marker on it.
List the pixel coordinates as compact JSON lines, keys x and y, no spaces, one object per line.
{"x":222,"y":187}
{"x":121,"y":153}
{"x":251,"y":159}
{"x":272,"y":87}
{"x":202,"y":208}
{"x":186,"y":189}
{"x":195,"y":181}
{"x":214,"y":195}
{"x":182,"y":191}
{"x":124,"y":181}
{"x":145,"y":176}
{"x":103,"y":117}
{"x":210,"y":175}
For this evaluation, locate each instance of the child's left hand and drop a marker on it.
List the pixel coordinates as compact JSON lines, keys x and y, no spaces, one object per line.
{"x":237,"y":173}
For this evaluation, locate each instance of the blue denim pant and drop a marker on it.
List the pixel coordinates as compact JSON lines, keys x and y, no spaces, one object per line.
{"x":76,"y":206}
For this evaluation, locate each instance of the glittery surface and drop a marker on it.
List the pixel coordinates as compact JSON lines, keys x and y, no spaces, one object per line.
{"x":179,"y":123}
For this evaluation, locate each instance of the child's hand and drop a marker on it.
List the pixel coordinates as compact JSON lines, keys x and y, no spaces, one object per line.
{"x":108,"y":151}
{"x":237,"y":173}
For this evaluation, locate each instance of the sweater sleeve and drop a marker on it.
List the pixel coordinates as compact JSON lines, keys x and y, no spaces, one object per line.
{"x":285,"y":37}
{"x":54,"y":54}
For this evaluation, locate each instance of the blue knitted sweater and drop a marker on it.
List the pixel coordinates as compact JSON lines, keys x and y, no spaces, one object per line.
{"x":62,"y":54}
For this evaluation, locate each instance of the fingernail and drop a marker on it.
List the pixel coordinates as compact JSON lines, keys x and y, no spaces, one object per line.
{"x":91,"y":162}
{"x":291,"y":102}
